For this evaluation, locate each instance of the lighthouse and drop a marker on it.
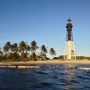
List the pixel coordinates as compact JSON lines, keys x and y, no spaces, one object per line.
{"x":69,"y":45}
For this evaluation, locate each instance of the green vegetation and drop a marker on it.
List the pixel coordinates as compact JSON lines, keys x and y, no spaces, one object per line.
{"x":82,"y":57}
{"x":23,"y":52}
{"x":52,"y":52}
{"x":33,"y":56}
{"x":43,"y":49}
{"x":61,"y":57}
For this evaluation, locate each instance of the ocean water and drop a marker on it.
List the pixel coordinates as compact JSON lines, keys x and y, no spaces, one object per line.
{"x":47,"y":77}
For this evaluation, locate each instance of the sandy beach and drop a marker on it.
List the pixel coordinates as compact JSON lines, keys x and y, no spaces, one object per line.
{"x":47,"y":62}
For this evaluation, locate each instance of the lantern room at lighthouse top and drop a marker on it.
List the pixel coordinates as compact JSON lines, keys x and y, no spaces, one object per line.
{"x":68,"y":21}
{"x":69,"y":25}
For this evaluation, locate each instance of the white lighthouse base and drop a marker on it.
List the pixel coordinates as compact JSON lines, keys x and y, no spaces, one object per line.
{"x":69,"y":50}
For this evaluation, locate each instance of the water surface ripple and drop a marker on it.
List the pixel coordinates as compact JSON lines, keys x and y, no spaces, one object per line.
{"x":47,"y":77}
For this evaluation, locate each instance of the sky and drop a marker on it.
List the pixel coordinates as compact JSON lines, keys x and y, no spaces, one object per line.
{"x":45,"y":22}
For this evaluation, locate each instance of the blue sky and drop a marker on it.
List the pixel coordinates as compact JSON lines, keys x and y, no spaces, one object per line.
{"x":45,"y":22}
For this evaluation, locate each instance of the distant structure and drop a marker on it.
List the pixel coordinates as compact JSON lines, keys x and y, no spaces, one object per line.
{"x":41,"y":56}
{"x":69,"y":45}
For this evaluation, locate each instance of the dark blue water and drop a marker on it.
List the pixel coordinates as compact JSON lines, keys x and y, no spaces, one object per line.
{"x":47,"y":77}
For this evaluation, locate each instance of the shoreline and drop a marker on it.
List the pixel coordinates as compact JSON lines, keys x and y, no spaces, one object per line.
{"x":47,"y":62}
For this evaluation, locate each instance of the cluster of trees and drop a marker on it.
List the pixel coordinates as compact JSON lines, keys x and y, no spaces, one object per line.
{"x":61,"y":57}
{"x":77,"y":57}
{"x":20,"y":52}
{"x":82,"y":57}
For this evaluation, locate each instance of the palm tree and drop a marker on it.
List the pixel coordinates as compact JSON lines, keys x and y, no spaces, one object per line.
{"x":14,"y":47}
{"x":22,"y":46}
{"x":33,"y":46}
{"x":27,"y":48}
{"x":5,"y":49}
{"x":33,"y":56}
{"x":52,"y":51}
{"x":43,"y":49}
{"x":8,"y":44}
{"x":1,"y":53}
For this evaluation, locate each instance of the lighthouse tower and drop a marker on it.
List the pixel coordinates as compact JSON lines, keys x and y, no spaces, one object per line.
{"x":69,"y":45}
